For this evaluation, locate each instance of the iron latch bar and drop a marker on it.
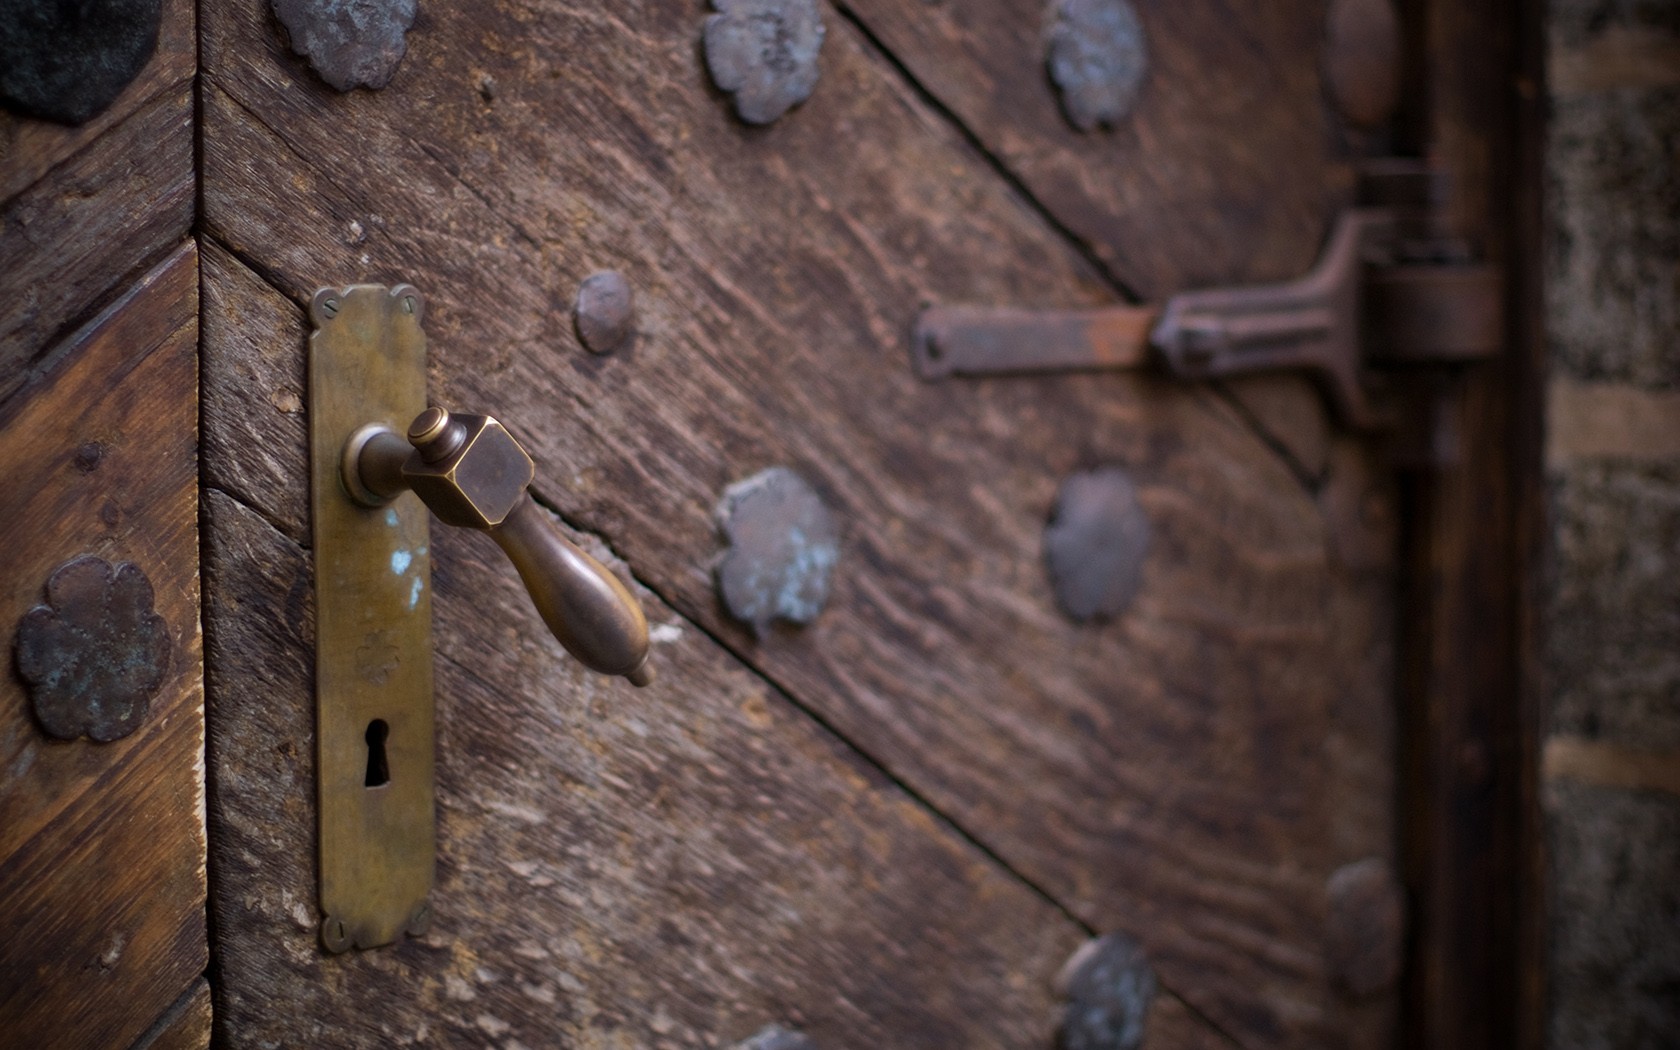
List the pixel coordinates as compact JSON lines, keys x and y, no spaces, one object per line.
{"x":1390,"y":290}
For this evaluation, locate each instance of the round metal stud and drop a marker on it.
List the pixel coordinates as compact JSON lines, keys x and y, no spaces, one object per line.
{"x":606,"y":312}
{"x":1096,"y":544}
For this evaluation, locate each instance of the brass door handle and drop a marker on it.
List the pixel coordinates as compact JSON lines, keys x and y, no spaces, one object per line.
{"x":472,"y":473}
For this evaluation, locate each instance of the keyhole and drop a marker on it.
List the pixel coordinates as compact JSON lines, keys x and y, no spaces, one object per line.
{"x":378,"y":768}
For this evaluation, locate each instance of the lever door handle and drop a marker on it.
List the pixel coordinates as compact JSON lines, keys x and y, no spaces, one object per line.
{"x":471,"y":473}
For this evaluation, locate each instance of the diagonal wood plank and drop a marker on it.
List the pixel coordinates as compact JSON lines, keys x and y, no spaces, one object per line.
{"x":1164,"y":774}
{"x":102,"y":880}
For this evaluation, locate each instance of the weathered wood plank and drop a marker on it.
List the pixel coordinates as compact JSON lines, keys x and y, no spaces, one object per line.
{"x":1471,"y":676}
{"x":1226,"y":170}
{"x":115,"y":207}
{"x":30,"y":148}
{"x":1164,"y":774}
{"x":617,"y":867}
{"x":102,"y":845}
{"x":186,"y":1026}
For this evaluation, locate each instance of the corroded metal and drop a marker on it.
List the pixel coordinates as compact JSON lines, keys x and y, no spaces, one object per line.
{"x":1098,"y":58}
{"x":1311,"y":324}
{"x":95,"y":654}
{"x":783,"y":546}
{"x":471,"y":473}
{"x":350,"y":43}
{"x":1365,"y":926}
{"x":1394,"y":297}
{"x":1096,"y":544}
{"x":764,"y":53}
{"x":67,"y":62}
{"x":1362,"y":51}
{"x":992,"y":340}
{"x":373,"y":624}
{"x":1107,"y":986}
{"x":606,"y":312}
{"x":777,"y":1038}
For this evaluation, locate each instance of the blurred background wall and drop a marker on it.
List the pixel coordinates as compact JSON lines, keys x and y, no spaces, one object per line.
{"x":1611,"y":790}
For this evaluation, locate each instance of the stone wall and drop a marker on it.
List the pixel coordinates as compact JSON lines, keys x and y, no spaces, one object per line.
{"x":1612,"y":751}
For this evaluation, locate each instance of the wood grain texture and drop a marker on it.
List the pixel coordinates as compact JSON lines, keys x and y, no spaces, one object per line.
{"x":102,"y":845}
{"x":1164,"y":775}
{"x":186,"y":1026}
{"x":1227,"y":170}
{"x":30,"y":148}
{"x":70,"y":240}
{"x":1470,"y":670}
{"x":618,"y":868}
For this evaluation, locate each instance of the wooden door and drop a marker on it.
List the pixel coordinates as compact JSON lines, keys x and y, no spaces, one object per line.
{"x":893,"y":825}
{"x":102,"y":847}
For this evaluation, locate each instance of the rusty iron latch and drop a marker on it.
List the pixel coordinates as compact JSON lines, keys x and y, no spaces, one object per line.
{"x":1394,"y":291}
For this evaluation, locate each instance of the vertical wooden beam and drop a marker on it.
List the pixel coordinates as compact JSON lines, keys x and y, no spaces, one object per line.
{"x":1470,"y":688}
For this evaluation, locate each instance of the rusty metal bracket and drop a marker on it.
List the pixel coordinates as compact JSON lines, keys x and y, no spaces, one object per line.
{"x":1391,"y":291}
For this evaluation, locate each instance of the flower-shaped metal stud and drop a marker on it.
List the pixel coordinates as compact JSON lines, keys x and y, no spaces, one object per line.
{"x":95,"y":653}
{"x":1097,"y":59}
{"x":350,"y":43}
{"x":68,"y":62}
{"x":783,"y":546}
{"x":764,"y":53}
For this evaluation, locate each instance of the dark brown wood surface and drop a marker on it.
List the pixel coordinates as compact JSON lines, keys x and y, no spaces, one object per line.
{"x":1190,"y":774}
{"x":679,"y":866}
{"x":102,"y":880}
{"x":1471,"y":693}
{"x":186,"y":1025}
{"x":1226,"y":170}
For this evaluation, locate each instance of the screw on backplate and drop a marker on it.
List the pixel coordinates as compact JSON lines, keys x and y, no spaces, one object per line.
{"x":1365,"y":926}
{"x":329,"y":307}
{"x":408,"y":304}
{"x":1096,"y":544}
{"x":335,"y":935}
{"x":1108,"y":986}
{"x":421,"y":921}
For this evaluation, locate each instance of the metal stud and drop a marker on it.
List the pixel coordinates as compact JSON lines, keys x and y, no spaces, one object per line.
{"x":1362,"y":60}
{"x":764,"y":54}
{"x":606,"y":312}
{"x":67,"y":62}
{"x":783,"y":546}
{"x":1365,"y":926}
{"x":95,"y":654}
{"x":1096,"y":544}
{"x":1108,"y":986}
{"x":1098,"y":58}
{"x":350,"y":45}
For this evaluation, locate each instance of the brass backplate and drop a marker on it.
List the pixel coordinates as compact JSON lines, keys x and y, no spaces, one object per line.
{"x":373,"y":627}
